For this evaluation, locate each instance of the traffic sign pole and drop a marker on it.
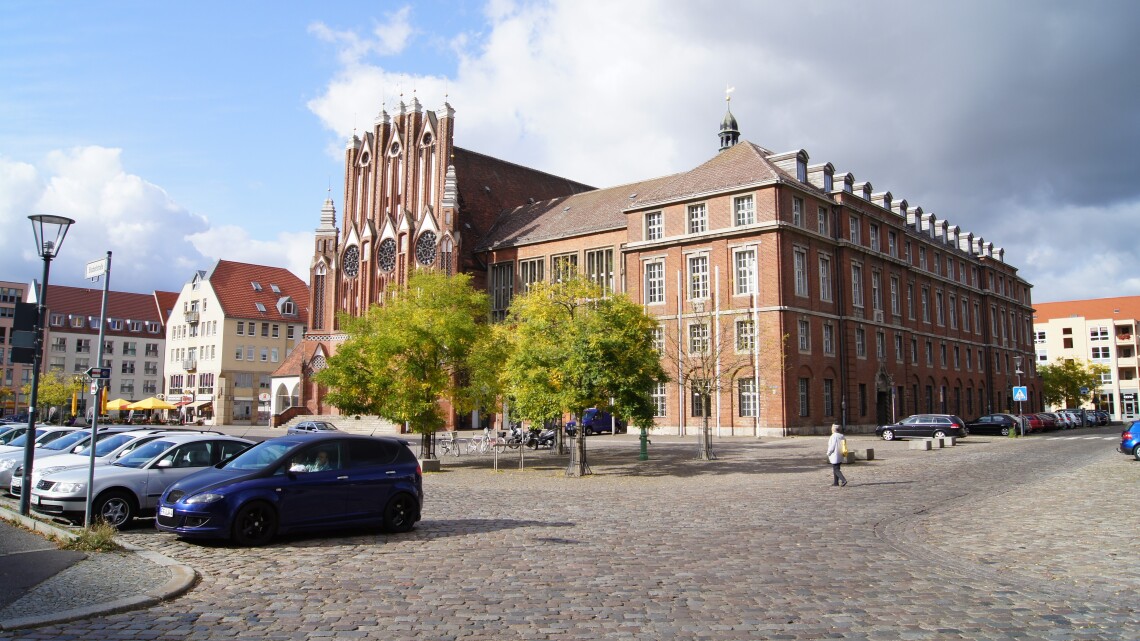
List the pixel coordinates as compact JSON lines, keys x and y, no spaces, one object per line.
{"x":100,"y":381}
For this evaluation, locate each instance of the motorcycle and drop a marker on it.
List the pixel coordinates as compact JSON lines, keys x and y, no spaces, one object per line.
{"x":540,"y":438}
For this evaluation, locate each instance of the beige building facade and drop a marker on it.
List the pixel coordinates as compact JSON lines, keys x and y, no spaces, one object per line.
{"x":1099,"y":331}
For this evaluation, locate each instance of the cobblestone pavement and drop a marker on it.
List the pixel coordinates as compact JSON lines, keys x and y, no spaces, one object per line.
{"x":994,"y":538}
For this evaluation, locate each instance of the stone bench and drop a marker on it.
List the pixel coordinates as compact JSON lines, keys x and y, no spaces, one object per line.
{"x":860,"y":455}
{"x":932,"y":443}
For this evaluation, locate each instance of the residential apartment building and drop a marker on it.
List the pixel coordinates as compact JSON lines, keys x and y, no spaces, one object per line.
{"x":232,"y":326}
{"x":1103,"y":331}
{"x":837,"y":303}
{"x":14,"y":375}
{"x":133,"y":338}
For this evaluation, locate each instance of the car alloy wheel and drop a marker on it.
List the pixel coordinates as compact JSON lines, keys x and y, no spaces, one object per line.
{"x":255,"y":524}
{"x":939,"y":434}
{"x":1005,"y":431}
{"x":400,"y":513}
{"x":114,"y":508}
{"x":888,"y":435}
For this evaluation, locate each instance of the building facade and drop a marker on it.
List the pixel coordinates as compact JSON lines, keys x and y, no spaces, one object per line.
{"x":818,"y":299}
{"x":1100,"y":331}
{"x":14,"y":375}
{"x":133,"y":339}
{"x":231,"y":327}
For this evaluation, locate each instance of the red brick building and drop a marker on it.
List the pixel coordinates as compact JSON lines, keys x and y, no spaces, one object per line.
{"x":814,"y":299}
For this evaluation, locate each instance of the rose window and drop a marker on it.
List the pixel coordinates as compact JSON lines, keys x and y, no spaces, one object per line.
{"x":425,"y":248}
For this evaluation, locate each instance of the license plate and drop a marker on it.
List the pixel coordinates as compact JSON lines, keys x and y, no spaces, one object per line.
{"x":166,"y":511}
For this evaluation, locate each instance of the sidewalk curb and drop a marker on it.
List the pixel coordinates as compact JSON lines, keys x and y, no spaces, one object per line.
{"x":182,"y":579}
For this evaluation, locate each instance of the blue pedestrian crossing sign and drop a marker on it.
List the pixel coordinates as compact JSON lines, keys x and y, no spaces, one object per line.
{"x":1021,"y":393}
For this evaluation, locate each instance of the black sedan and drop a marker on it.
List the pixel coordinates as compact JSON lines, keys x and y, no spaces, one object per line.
{"x":924,"y":426}
{"x":995,"y":424}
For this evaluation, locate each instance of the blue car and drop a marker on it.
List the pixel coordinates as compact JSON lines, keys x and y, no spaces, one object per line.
{"x":297,"y":483}
{"x":1130,"y":440}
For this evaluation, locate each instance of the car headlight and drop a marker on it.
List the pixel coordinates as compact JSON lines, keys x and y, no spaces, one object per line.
{"x":7,"y":464}
{"x":69,"y":488}
{"x":208,"y":497}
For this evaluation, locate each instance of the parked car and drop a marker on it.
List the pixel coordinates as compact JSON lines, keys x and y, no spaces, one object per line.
{"x":113,"y":443}
{"x":1103,"y":417}
{"x":924,"y":426}
{"x":311,"y":427}
{"x":1048,"y":421}
{"x":44,"y":434}
{"x":596,"y":421}
{"x":1035,"y":424}
{"x":76,"y":439}
{"x":1130,"y":440}
{"x":295,"y":483}
{"x":130,"y":487}
{"x":995,"y":424}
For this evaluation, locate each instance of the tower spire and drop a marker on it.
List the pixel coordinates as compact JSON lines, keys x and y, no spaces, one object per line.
{"x":729,"y":130}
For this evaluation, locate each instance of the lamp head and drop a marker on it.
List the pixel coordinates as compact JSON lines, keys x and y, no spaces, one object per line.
{"x":49,"y":231}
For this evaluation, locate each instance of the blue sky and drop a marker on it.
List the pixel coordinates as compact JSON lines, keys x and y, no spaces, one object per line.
{"x":177,"y":134}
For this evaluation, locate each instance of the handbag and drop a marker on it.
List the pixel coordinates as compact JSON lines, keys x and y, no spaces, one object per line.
{"x":843,"y":447}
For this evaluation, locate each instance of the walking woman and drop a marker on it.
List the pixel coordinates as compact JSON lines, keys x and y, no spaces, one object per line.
{"x":836,"y":452}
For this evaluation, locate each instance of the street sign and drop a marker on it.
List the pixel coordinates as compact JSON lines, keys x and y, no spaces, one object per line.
{"x":96,"y":268}
{"x":1084,"y":390}
{"x":1020,"y":393}
{"x":95,"y":388}
{"x":99,"y":372}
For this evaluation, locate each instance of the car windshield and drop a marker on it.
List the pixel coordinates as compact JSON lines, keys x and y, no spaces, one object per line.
{"x":67,"y":440}
{"x":144,"y":454}
{"x":259,"y":456}
{"x":590,"y":413}
{"x":107,"y":443}
{"x":10,"y":437}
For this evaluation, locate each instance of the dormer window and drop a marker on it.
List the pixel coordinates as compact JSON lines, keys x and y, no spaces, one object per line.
{"x":135,"y":326}
{"x":828,"y":180}
{"x":256,"y":285}
{"x":801,"y":169}
{"x":287,"y":307}
{"x":57,"y":320}
{"x":114,"y":324}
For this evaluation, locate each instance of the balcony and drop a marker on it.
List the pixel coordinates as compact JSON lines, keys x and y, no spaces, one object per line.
{"x":1124,"y":338}
{"x":192,"y":317}
{"x":190,"y":364}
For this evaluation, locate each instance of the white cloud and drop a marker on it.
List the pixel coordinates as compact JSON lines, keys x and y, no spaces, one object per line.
{"x":389,"y":37}
{"x":291,"y":250}
{"x":155,"y":242}
{"x":959,"y":120}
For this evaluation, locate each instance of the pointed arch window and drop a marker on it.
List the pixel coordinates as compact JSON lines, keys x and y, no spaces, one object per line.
{"x":447,"y":256}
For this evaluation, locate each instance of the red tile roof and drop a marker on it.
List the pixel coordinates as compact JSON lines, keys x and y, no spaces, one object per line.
{"x":234,"y":285}
{"x":1121,"y":307}
{"x":124,"y":306}
{"x":166,"y":302}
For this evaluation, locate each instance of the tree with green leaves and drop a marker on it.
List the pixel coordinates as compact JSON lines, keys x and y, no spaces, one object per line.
{"x":404,"y":357}
{"x":572,"y":347}
{"x":1063,"y":381}
{"x":55,"y":390}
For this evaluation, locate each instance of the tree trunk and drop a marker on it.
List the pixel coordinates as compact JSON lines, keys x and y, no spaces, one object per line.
{"x":578,"y":465}
{"x":704,"y":439}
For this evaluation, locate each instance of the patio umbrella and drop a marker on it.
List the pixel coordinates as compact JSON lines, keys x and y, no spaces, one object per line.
{"x":151,"y":403}
{"x":118,"y":404}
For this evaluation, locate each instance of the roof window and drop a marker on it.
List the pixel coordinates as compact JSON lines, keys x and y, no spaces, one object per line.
{"x":260,"y":307}
{"x":256,"y":285}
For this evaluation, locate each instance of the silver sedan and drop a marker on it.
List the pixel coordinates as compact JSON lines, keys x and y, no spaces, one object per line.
{"x":131,"y":486}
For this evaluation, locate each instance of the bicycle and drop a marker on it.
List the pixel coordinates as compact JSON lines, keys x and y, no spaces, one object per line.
{"x":479,"y":445}
{"x":451,"y":445}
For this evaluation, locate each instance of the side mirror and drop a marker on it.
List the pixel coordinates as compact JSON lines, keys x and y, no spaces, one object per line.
{"x":296,"y":468}
{"x":164,"y":463}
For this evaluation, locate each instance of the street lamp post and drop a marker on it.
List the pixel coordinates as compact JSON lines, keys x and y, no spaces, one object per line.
{"x":1017,"y":370}
{"x":49,"y":231}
